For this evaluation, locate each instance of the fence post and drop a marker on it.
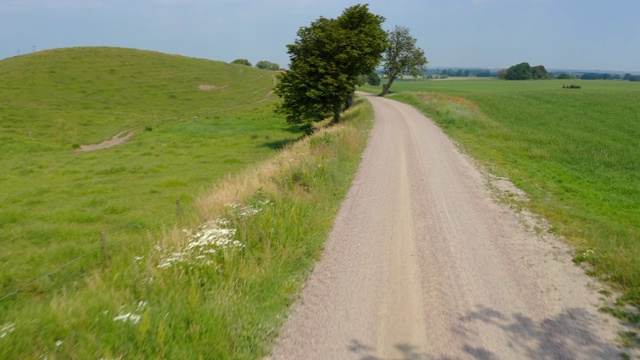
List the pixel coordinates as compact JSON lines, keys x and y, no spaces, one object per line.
{"x":103,"y":237}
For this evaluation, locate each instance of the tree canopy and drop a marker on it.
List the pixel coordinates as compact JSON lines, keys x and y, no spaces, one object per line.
{"x":327,"y":59}
{"x":524,"y":71}
{"x":241,"y":62}
{"x":267,"y":65}
{"x":401,"y":56}
{"x":521,"y":71}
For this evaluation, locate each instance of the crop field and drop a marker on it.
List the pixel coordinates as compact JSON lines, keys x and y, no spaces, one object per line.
{"x":575,"y":152}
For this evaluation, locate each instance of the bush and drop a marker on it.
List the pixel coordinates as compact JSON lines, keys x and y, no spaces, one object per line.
{"x":374,"y":79}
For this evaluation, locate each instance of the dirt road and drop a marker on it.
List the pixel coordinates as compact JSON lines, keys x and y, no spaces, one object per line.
{"x":422,"y":263}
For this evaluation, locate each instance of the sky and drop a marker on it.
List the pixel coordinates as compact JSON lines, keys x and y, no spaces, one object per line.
{"x":559,"y":34}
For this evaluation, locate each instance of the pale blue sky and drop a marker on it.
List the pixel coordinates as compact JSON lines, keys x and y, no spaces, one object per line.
{"x":576,"y":34}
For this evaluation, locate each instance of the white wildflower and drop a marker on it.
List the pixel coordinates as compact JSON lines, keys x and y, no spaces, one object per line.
{"x":138,"y":258}
{"x":128,"y":317}
{"x":142,"y":305}
{"x":203,"y":241}
{"x":58,"y":343}
{"x":7,"y":329}
{"x":243,"y":211}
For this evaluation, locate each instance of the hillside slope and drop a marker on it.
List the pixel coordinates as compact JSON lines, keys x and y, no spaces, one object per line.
{"x":84,"y":95}
{"x":195,"y":121}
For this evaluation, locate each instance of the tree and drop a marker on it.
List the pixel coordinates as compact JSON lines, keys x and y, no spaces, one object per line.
{"x":241,"y":62}
{"x":521,"y":71}
{"x":563,"y":76}
{"x":326,"y":60}
{"x":401,"y":56}
{"x":539,"y":72}
{"x":373,"y":79}
{"x":267,"y":65}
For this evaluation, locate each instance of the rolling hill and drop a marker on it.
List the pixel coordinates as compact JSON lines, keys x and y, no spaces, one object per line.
{"x":84,"y":95}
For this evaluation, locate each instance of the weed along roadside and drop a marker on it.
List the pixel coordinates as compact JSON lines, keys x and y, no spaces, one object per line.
{"x":218,"y":284}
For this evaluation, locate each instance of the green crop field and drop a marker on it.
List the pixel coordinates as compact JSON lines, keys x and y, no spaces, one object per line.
{"x":575,"y":152}
{"x":212,"y":213}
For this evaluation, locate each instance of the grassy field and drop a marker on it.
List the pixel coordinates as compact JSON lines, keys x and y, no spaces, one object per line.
{"x":212,"y":278}
{"x":575,"y":152}
{"x":56,"y":202}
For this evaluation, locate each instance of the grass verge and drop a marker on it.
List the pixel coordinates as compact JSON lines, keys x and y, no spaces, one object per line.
{"x":217,"y":285}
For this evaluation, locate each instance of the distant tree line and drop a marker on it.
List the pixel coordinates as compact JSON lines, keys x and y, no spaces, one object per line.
{"x":263,"y":64}
{"x":607,"y":76}
{"x":445,"y":73}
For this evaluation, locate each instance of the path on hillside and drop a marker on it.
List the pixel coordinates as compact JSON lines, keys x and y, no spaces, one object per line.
{"x":118,"y":139}
{"x":423,"y":264}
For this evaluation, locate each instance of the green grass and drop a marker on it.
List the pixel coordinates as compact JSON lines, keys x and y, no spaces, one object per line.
{"x":57,"y":202}
{"x":576,"y":152}
{"x":200,"y":147}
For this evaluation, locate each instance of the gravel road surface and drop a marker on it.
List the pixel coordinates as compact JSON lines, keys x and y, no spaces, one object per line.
{"x":423,"y":263}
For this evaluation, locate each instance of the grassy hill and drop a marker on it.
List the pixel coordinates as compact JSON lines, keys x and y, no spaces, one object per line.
{"x":56,"y":202}
{"x":84,"y":95}
{"x":209,"y":231}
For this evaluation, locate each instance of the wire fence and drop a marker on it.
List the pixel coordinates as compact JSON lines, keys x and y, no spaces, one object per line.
{"x":104,"y":243}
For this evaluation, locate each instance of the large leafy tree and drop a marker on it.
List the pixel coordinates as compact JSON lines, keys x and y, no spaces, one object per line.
{"x":401,"y":56}
{"x":521,"y":71}
{"x":326,"y":60}
{"x":539,"y":72}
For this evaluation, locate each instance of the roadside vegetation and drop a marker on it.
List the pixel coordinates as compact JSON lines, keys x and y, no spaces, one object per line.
{"x":575,"y":153}
{"x":187,"y":270}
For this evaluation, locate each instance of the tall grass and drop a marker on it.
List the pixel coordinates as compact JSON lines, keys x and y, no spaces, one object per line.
{"x":576,"y":154}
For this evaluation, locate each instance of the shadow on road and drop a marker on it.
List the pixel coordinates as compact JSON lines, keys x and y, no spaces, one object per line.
{"x":569,"y":335}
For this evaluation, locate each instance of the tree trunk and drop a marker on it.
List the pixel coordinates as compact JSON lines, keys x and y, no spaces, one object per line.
{"x":336,"y":113}
{"x":348,"y":102}
{"x":385,"y":87}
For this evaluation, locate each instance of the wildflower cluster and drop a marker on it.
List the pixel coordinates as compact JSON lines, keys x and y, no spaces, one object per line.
{"x":7,"y":329}
{"x":130,"y":316}
{"x":211,"y":237}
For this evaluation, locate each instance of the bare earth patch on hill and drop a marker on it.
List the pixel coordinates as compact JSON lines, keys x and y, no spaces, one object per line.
{"x":208,"y":87}
{"x":114,"y":141}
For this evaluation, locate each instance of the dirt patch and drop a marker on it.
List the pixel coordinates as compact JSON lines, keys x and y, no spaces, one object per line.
{"x":114,"y":141}
{"x":207,"y":87}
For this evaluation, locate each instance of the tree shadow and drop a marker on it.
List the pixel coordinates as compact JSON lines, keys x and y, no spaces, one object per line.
{"x":571,"y":334}
{"x":278,"y":144}
{"x":558,"y":337}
